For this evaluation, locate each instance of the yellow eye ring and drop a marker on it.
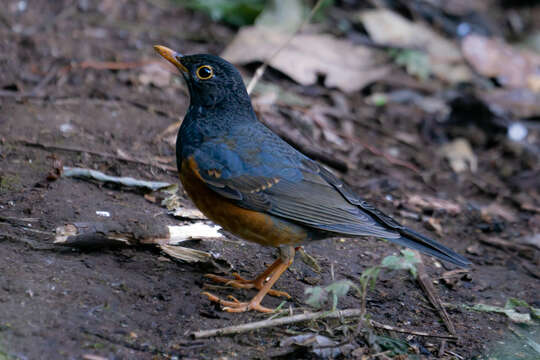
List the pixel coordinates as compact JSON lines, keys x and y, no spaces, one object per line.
{"x":204,"y":72}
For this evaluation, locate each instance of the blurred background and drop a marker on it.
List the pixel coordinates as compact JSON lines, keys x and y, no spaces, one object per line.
{"x":430,"y":109}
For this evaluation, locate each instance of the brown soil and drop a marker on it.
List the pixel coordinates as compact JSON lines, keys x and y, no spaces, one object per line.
{"x":133,"y":303}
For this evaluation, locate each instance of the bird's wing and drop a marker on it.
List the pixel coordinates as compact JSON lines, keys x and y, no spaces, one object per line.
{"x":290,"y":186}
{"x":284,"y":183}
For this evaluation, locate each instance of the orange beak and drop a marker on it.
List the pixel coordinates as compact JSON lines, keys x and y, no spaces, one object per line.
{"x":172,"y":56}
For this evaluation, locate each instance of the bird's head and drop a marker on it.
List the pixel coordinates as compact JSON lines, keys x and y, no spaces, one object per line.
{"x":210,"y":79}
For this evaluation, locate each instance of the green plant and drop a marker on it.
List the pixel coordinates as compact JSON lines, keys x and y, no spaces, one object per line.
{"x":234,"y":12}
{"x":416,"y":62}
{"x":319,"y":295}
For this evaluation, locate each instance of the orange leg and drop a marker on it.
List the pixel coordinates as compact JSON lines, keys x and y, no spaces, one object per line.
{"x":257,"y":283}
{"x":274,"y":271}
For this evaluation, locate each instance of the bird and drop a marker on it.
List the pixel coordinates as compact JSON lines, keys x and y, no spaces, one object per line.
{"x":255,"y":185}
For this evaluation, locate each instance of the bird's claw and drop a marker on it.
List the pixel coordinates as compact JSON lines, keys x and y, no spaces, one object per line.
{"x":236,"y":306}
{"x":240,"y":283}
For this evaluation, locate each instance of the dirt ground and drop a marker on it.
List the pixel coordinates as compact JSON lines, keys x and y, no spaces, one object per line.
{"x":58,"y":101}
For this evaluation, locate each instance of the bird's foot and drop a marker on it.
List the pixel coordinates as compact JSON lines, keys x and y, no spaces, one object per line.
{"x":241,"y":283}
{"x":236,"y":306}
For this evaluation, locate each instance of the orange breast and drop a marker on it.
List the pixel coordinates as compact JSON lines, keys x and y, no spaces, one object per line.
{"x":250,"y":225}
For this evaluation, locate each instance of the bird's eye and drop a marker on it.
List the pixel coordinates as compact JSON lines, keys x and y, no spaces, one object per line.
{"x":205,"y":72}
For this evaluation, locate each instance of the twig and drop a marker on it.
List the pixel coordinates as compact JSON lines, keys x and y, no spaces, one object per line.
{"x":109,"y":233}
{"x":238,"y":329}
{"x":126,"y":181}
{"x":390,"y":158}
{"x":509,"y":246}
{"x":97,"y":153}
{"x":51,"y":73}
{"x":111,"y":65}
{"x":427,"y":286}
{"x":261,"y":69}
{"x":442,"y":349}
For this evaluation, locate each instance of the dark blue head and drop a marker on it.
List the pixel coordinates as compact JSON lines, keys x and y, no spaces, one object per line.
{"x":210,"y":79}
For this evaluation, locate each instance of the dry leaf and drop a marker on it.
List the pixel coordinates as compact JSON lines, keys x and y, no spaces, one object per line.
{"x":155,"y":74}
{"x":346,"y":66}
{"x":499,"y":210}
{"x":460,"y":155}
{"x":186,"y":254}
{"x":387,"y":27}
{"x":187,"y":213}
{"x":522,"y":103}
{"x":494,"y":58}
{"x":533,"y":240}
{"x":93,"y":357}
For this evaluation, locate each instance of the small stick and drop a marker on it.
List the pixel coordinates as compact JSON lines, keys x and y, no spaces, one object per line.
{"x":261,"y":69}
{"x":427,"y":286}
{"x":391,"y":159}
{"x":238,"y":329}
{"x":442,"y":349}
{"x":111,"y":65}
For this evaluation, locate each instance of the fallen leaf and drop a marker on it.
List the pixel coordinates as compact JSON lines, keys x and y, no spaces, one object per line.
{"x":387,"y":27}
{"x":491,"y":57}
{"x":186,"y":254}
{"x":494,"y":209}
{"x":510,"y":310}
{"x":93,"y":357}
{"x":475,"y":249}
{"x":533,"y":240}
{"x":453,"y":278}
{"x":149,"y":197}
{"x":187,"y":213}
{"x":522,"y":103}
{"x":155,"y":74}
{"x":321,"y":346}
{"x":346,"y":66}
{"x":460,"y":155}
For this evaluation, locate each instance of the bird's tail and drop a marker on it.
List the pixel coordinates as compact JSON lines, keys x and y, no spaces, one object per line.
{"x":414,"y":240}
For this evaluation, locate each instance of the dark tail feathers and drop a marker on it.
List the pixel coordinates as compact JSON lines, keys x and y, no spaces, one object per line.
{"x":414,"y":240}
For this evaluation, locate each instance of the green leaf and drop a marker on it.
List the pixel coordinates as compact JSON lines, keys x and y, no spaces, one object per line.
{"x":512,"y":303}
{"x":340,"y":288}
{"x":336,"y":290}
{"x":416,"y":62}
{"x":369,"y":277}
{"x":405,"y":262}
{"x":234,"y":12}
{"x":317,"y":296}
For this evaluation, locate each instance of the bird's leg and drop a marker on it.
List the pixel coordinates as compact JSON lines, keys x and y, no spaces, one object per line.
{"x":257,"y":283}
{"x":276,"y":269}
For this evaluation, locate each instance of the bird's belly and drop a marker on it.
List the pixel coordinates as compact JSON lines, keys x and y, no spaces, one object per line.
{"x":250,"y":225}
